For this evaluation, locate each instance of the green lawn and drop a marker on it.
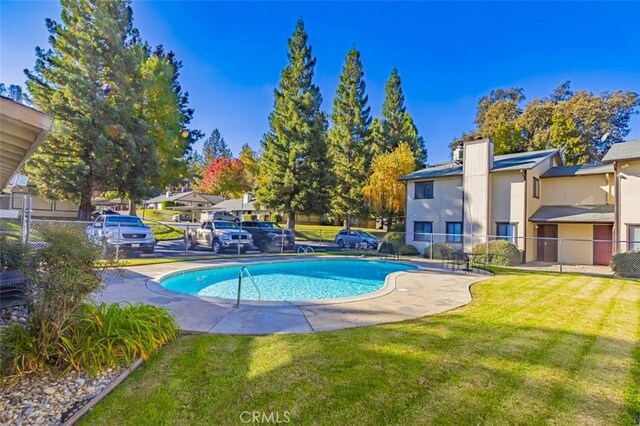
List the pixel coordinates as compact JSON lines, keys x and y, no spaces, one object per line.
{"x":324,"y":232}
{"x":530,"y":349}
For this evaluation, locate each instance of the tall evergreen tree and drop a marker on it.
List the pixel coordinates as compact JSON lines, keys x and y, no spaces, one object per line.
{"x":85,"y":82}
{"x":295,"y":168}
{"x":348,"y":140}
{"x":397,"y":124}
{"x":251,"y":161}
{"x":215,"y":147}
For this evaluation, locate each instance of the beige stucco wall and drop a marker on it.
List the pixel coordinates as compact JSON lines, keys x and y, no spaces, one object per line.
{"x":533,"y":204}
{"x":629,"y":181}
{"x":576,"y":252}
{"x":478,"y":161}
{"x":43,"y":208}
{"x":445,"y":206}
{"x":577,"y":190}
{"x":507,"y":203}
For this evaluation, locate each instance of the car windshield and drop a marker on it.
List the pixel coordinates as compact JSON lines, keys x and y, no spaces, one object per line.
{"x":123,"y":220}
{"x":268,"y":225}
{"x":221,"y":224}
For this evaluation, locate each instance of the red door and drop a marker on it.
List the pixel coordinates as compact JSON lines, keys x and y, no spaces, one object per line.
{"x":547,"y":243}
{"x":602,"y":245}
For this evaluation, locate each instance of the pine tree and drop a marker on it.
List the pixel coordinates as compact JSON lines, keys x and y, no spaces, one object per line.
{"x":294,"y":175}
{"x":215,"y":147}
{"x":348,"y":140}
{"x":397,"y":123}
{"x":251,"y":162}
{"x":85,"y":82}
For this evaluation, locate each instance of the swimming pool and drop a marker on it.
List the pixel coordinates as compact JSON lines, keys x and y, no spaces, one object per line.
{"x":288,"y":281}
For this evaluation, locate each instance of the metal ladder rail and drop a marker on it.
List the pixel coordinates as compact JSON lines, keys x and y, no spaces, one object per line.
{"x":243,"y":270}
{"x":305,"y":250}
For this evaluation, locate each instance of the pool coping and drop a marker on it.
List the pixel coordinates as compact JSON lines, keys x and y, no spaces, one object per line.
{"x":389,"y":285}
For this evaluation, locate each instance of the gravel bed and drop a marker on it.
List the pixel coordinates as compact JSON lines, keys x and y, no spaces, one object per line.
{"x":43,"y":400}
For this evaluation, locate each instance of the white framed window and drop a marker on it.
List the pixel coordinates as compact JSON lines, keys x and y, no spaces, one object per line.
{"x":506,"y":231}
{"x":634,"y":237}
{"x":421,"y":231}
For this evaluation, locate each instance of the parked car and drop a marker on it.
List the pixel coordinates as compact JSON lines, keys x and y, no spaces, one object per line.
{"x":133,"y":233}
{"x":182,"y":217}
{"x":223,"y":215}
{"x":268,"y":236}
{"x":220,"y":235}
{"x":346,"y":238}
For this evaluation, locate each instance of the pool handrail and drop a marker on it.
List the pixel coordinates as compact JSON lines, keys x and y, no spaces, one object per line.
{"x":305,"y":250}
{"x":243,"y":270}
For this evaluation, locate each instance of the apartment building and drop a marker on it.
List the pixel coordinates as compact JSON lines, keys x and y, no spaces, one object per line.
{"x":552,"y":212}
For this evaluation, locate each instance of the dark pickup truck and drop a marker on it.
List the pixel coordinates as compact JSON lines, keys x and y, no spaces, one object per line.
{"x":268,"y":236}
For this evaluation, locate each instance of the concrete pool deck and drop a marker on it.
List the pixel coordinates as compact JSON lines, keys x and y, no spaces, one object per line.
{"x":413,"y":294}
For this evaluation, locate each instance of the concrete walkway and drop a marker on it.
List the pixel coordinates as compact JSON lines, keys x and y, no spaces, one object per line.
{"x":407,"y":295}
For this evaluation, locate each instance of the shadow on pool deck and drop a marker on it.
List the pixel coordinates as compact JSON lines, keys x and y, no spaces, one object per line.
{"x":416,"y":294}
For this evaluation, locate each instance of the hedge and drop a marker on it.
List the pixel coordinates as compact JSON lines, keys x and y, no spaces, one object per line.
{"x":437,"y":248}
{"x":501,"y":252}
{"x":408,"y":250}
{"x":396,"y":239}
{"x":626,"y":264}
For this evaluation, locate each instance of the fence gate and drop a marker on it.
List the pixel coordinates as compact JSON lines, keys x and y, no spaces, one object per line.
{"x":15,"y":216}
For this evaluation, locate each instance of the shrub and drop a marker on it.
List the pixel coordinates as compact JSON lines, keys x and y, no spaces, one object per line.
{"x":626,"y":264}
{"x":397,"y":227}
{"x":437,"y":250}
{"x":17,"y":351}
{"x":408,"y":250}
{"x":396,"y":239}
{"x":13,"y":254}
{"x":386,"y":248}
{"x":102,"y":336}
{"x":64,"y":273}
{"x":277,"y":218}
{"x":501,"y":253}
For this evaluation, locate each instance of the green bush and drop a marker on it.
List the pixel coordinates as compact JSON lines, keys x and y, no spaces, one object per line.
{"x":626,"y":264}
{"x":14,"y":255}
{"x":501,"y":253}
{"x":102,"y":336}
{"x":437,"y":250}
{"x":386,"y":248}
{"x":408,"y":250}
{"x":166,"y":204}
{"x":396,"y":239}
{"x":397,"y":227}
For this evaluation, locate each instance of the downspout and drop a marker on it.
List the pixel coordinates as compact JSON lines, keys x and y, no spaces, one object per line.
{"x":616,"y":206}
{"x":526,"y":214}
{"x":406,"y":211}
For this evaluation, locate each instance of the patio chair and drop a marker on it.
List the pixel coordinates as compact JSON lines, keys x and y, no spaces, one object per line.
{"x":13,"y":289}
{"x":446,"y":254}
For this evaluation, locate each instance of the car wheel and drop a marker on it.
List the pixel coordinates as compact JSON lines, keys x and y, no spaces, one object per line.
{"x":216,"y":247}
{"x":192,"y":244}
{"x":341,"y":243}
{"x":263,"y":246}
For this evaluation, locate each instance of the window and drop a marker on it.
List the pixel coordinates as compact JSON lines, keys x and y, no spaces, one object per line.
{"x":424,"y":190}
{"x":506,"y":231}
{"x":421,"y":231}
{"x":634,"y":237}
{"x":454,"y":232}
{"x":536,"y":188}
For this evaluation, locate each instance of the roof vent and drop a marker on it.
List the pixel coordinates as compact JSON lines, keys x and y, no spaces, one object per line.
{"x":458,"y":154}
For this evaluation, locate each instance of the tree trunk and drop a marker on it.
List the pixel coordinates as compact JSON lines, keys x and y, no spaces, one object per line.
{"x":84,"y":212}
{"x":346,"y":223}
{"x":291,"y":220}
{"x":132,"y":208}
{"x":389,"y":221}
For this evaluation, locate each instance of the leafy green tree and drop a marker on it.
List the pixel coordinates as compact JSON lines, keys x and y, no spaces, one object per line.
{"x":348,"y":140}
{"x":397,"y":124}
{"x":574,"y":121}
{"x":251,"y":161}
{"x":215,"y":147}
{"x":15,"y":92}
{"x":384,"y":193}
{"x":294,"y":172}
{"x":166,"y":108}
{"x":85,"y":82}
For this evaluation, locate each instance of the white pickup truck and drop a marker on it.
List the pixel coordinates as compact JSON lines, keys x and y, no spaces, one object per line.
{"x":128,"y":233}
{"x":220,"y":235}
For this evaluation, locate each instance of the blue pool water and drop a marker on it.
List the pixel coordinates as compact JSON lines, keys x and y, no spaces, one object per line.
{"x":305,"y":280}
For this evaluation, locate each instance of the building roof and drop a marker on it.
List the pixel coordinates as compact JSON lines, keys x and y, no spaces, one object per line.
{"x":186,"y":196}
{"x":236,"y":205}
{"x":580,"y":170}
{"x":501,"y":163}
{"x":602,"y":213}
{"x":627,"y":150}
{"x":23,"y":130}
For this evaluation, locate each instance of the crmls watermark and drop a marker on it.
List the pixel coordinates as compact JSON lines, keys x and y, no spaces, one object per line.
{"x":273,"y":417}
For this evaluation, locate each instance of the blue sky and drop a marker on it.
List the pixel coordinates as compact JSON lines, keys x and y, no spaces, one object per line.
{"x":448,"y":54}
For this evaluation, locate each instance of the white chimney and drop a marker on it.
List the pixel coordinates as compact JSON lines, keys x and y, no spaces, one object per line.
{"x":168,"y":194}
{"x":458,"y":154}
{"x":246,"y":198}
